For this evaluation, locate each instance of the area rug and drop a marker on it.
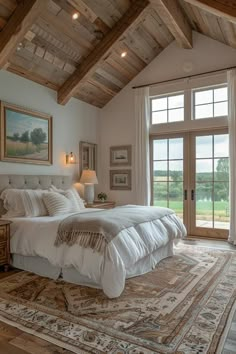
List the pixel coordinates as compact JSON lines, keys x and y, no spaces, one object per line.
{"x":180,"y":307}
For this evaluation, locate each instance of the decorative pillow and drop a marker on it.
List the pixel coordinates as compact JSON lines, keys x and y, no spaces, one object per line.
{"x":73,"y":196}
{"x":12,"y":202}
{"x":58,"y":204}
{"x":33,"y":202}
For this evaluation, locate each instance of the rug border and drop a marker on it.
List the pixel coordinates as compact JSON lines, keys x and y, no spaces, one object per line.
{"x":42,"y":336}
{"x":226,"y":330}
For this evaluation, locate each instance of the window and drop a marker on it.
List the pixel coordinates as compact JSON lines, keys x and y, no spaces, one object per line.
{"x":166,"y":109}
{"x":210,"y":102}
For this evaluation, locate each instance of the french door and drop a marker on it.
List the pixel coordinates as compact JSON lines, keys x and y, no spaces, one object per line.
{"x":190,"y":174}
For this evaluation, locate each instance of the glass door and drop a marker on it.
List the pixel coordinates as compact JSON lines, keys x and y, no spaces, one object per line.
{"x":168,"y":173}
{"x":209,"y":184}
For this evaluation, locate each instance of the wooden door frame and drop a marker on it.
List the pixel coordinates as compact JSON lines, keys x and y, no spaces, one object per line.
{"x":185,"y":137}
{"x":193,"y":229}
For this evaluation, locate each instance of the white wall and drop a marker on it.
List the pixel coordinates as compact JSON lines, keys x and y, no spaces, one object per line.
{"x":71,"y":123}
{"x":116,"y":125}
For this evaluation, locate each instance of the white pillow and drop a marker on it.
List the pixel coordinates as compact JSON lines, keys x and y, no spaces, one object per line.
{"x":12,"y":202}
{"x":33,"y":202}
{"x":74,"y":195}
{"x":58,"y":204}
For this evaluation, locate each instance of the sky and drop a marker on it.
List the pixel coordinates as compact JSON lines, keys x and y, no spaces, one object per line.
{"x":20,"y":122}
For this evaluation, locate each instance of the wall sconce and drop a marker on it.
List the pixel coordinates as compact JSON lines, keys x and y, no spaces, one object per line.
{"x":70,"y":158}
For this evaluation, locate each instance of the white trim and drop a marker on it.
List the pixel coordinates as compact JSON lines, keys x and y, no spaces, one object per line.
{"x":189,"y":125}
{"x":188,"y":86}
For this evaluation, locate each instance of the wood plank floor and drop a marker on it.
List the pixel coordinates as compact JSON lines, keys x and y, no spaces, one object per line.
{"x":14,"y":341}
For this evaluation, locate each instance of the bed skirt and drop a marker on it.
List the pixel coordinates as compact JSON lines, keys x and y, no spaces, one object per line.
{"x":43,"y":267}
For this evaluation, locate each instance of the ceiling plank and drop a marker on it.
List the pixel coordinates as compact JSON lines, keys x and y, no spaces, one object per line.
{"x":175,"y":20}
{"x":19,"y":70}
{"x":90,"y":64}
{"x":221,"y":8}
{"x":17,"y":26}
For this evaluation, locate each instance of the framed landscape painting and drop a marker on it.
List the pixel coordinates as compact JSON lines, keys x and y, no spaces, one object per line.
{"x":26,"y":136}
{"x":120,"y":179}
{"x":120,"y":155}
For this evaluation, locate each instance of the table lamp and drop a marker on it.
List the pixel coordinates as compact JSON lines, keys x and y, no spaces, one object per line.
{"x":89,"y":179}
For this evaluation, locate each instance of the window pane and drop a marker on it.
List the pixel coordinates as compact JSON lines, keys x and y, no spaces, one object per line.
{"x":204,"y":205}
{"x":160,"y":149}
{"x":204,"y":146}
{"x":160,"y":194}
{"x":204,"y":111}
{"x":204,"y":170}
{"x":221,"y":169}
{"x":176,"y":101}
{"x":176,"y":115}
{"x":221,"y":109}
{"x":176,"y":148}
{"x":203,"y":97}
{"x":176,"y":171}
{"x":159,"y":104}
{"x":159,"y":117}
{"x":221,"y":205}
{"x":221,"y":145}
{"x":176,"y":197}
{"x":221,"y":94}
{"x":160,"y":171}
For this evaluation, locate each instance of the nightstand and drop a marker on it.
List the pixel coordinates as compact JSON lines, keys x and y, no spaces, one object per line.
{"x":5,"y":244}
{"x":102,"y":205}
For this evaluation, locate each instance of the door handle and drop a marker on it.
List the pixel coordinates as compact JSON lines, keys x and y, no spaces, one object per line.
{"x":192,"y":194}
{"x":185,"y":194}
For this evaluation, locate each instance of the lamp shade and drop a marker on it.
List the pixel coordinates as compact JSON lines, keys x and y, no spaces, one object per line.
{"x":89,"y":176}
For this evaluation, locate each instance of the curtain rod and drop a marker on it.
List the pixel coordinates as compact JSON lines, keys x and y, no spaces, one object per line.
{"x":184,"y":77}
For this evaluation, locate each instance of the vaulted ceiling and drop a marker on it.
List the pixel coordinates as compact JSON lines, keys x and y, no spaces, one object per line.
{"x":93,"y":56}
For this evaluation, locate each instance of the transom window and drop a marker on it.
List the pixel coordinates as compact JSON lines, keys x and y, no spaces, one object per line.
{"x":166,"y":109}
{"x":210,"y":102}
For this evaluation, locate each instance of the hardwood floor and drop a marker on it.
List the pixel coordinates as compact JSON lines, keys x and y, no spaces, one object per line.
{"x":15,"y":341}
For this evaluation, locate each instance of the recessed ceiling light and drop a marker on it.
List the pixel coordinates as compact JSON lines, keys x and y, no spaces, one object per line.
{"x":20,"y":45}
{"x":75,"y":15}
{"x":123,"y":54}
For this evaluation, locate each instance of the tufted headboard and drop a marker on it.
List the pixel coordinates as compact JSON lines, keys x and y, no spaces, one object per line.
{"x":32,"y":182}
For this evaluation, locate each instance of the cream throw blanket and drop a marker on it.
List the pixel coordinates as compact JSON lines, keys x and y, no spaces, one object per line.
{"x":96,"y":229}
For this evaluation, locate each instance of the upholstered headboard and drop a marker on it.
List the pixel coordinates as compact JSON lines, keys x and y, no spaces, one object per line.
{"x":32,"y":182}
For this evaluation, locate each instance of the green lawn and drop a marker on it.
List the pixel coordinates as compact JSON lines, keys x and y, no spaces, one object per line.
{"x":203,"y":207}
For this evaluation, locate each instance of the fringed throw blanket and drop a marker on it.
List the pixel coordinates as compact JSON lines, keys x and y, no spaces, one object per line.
{"x":96,"y":229}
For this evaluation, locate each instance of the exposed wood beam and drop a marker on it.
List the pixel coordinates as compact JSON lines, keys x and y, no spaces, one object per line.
{"x":89,"y":65}
{"x":17,"y":26}
{"x":175,"y":20}
{"x":220,"y":8}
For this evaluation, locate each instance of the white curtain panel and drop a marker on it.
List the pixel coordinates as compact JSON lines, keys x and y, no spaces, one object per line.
{"x":142,"y":157}
{"x":232,"y":153}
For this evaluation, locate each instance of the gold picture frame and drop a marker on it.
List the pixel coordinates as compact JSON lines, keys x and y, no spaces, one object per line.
{"x":26,"y":135}
{"x":120,"y":180}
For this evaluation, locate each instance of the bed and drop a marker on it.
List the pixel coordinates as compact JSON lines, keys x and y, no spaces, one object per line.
{"x":33,"y":244}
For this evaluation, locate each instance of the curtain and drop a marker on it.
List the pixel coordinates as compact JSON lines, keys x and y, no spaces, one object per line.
{"x":232,"y":153}
{"x":142,"y":157}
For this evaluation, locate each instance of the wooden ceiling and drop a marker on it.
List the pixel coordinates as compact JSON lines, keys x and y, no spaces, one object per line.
{"x":81,"y":58}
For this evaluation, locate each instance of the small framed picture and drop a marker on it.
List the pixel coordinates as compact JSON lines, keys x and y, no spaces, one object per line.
{"x":120,"y":179}
{"x":120,"y":155}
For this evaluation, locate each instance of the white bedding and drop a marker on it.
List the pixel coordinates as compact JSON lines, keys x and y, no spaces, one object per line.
{"x":36,"y":237}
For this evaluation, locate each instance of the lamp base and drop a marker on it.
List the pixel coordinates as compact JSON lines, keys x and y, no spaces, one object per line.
{"x":89,"y":193}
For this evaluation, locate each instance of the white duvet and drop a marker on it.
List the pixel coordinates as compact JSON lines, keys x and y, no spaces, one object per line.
{"x":36,"y":237}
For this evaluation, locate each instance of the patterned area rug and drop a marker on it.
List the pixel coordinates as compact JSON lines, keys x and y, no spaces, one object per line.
{"x":180,"y":307}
